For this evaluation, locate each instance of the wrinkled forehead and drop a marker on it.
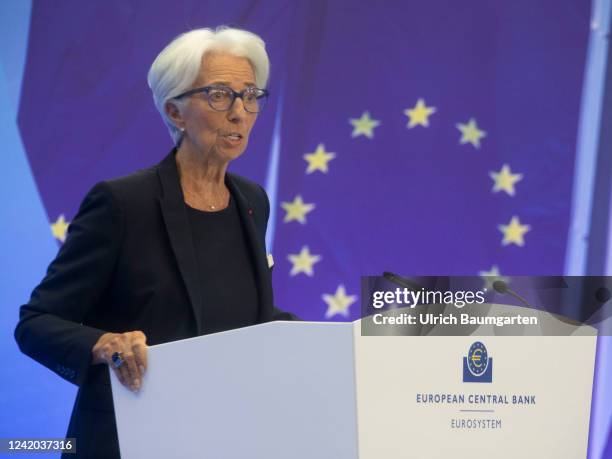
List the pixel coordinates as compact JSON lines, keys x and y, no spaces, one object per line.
{"x":220,"y":67}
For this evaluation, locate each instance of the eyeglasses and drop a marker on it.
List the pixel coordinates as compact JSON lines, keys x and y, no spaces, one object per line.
{"x":221,"y":98}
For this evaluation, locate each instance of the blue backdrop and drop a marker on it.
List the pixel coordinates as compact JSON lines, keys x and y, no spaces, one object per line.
{"x":417,"y":137}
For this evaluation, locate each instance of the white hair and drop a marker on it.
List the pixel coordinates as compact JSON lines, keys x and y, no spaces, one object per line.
{"x":177,"y":67}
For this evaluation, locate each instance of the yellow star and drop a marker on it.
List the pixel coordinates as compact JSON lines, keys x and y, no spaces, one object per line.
{"x":364,"y":125}
{"x":339,"y":302}
{"x":514,"y":232}
{"x":303,"y":262}
{"x":296,"y":210}
{"x":470,"y":133}
{"x":318,"y":160}
{"x":505,"y":180}
{"x":491,"y":276}
{"x":419,"y":115}
{"x":59,"y":228}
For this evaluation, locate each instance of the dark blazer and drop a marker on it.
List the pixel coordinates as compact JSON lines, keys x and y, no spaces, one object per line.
{"x":128,"y":264}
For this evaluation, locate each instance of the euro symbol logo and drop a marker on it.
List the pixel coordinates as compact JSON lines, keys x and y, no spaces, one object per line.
{"x":477,"y":364}
{"x":476,"y":357}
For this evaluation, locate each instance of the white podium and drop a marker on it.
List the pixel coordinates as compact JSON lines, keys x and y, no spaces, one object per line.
{"x":305,"y":390}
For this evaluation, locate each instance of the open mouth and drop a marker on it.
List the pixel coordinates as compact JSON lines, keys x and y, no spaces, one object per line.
{"x":233,"y":136}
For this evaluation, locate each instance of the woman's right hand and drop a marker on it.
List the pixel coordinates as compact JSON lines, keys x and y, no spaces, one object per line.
{"x":133,"y":346}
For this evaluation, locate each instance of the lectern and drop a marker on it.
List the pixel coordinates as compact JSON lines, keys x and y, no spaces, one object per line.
{"x":305,"y":390}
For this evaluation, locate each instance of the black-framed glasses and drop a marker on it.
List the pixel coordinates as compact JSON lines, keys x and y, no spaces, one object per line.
{"x":221,"y":98}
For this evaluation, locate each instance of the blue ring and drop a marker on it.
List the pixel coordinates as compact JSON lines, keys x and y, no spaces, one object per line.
{"x":117,"y":359}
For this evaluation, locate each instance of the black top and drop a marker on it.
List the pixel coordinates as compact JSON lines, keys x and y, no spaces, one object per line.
{"x":225,"y":270}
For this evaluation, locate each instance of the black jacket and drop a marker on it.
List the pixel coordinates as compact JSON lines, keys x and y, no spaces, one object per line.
{"x":127,"y":264}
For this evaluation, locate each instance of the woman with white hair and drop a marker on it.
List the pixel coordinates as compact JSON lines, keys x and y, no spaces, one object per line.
{"x":170,"y":252}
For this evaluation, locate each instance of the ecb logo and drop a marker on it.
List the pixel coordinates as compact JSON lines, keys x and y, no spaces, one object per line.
{"x":478,"y":366}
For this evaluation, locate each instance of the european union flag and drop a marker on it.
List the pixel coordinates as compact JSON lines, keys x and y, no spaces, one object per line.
{"x":423,"y":138}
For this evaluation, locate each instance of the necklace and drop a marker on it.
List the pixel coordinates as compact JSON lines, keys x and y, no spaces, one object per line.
{"x":195,"y":201}
{"x":220,"y":198}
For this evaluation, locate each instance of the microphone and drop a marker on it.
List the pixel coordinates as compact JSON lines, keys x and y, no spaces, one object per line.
{"x":401,"y":281}
{"x":501,"y":287}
